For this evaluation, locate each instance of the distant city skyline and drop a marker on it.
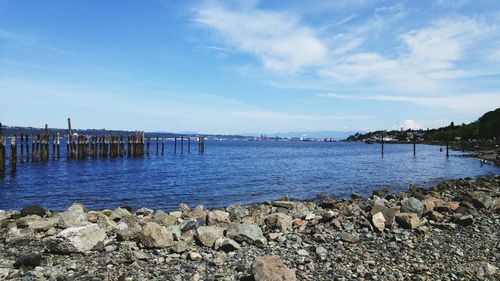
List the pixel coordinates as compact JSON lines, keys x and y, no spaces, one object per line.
{"x":248,"y":67}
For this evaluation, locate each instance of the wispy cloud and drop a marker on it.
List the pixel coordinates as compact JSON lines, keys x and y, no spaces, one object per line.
{"x":278,"y":39}
{"x":272,"y":115}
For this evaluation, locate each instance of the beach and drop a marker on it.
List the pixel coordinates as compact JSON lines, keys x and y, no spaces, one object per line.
{"x":447,"y":232}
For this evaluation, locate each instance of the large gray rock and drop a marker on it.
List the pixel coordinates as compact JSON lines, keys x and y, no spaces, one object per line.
{"x":226,"y":244}
{"x":279,"y":221}
{"x":43,"y":225}
{"x":207,"y":235}
{"x":250,"y":233}
{"x":237,"y":212}
{"x":105,"y":222}
{"x":154,"y":235}
{"x":387,"y":212}
{"x":73,"y":216}
{"x":76,"y":239}
{"x":119,"y":212}
{"x":33,"y":210}
{"x":15,"y":234}
{"x":408,"y":220}
{"x":218,"y":218}
{"x":272,"y":269}
{"x":412,"y":205}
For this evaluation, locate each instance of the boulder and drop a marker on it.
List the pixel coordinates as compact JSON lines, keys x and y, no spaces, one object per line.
{"x":284,"y":204}
{"x":154,"y":235}
{"x":73,"y":216}
{"x":76,"y":239}
{"x":119,"y":213}
{"x":412,"y":205}
{"x":144,"y":212}
{"x":33,"y":210}
{"x":218,"y":218}
{"x":105,"y":222}
{"x":387,"y":212}
{"x":207,"y":235}
{"x":28,"y":261}
{"x":378,"y":221}
{"x":191,"y":223}
{"x":279,"y":221}
{"x":249,"y":233}
{"x":408,"y":220}
{"x":15,"y":234}
{"x":465,"y":220}
{"x":481,"y":199}
{"x":237,"y":212}
{"x":43,"y":225}
{"x":226,"y":244}
{"x":271,"y":268}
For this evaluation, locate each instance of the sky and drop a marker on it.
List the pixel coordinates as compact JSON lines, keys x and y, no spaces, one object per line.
{"x":248,"y":67}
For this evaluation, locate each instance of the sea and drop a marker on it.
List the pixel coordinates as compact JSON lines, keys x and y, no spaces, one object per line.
{"x":229,"y":172}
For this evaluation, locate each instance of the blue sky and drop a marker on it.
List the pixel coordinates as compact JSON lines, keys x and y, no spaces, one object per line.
{"x":248,"y":66}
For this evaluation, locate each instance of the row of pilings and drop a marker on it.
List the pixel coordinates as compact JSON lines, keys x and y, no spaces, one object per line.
{"x":36,"y":147}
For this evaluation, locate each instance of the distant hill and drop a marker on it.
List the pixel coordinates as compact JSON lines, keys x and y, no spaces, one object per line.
{"x":486,"y":127}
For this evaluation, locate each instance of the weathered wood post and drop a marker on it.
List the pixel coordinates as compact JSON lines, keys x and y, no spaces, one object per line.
{"x":37,"y":148}
{"x":157,"y":145}
{"x":33,"y":152}
{"x":122,"y":146}
{"x":147,"y":146}
{"x":414,"y":145}
{"x":26,"y":142}
{"x":175,"y":144}
{"x":21,"y":142}
{"x":2,"y":150}
{"x":69,"y":140}
{"x":162,"y":145}
{"x":382,"y":142}
{"x":58,"y":145}
{"x":447,"y":154}
{"x":13,"y":153}
{"x":53,"y":146}
{"x":46,"y":143}
{"x":189,"y":144}
{"x":182,"y":144}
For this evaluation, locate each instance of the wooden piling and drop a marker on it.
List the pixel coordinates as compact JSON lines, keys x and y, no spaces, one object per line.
{"x":13,"y":153}
{"x":175,"y":144}
{"x":53,"y":147}
{"x":157,"y":145}
{"x":33,"y":141}
{"x":26,"y":142}
{"x":182,"y":144}
{"x":147,"y":146}
{"x":2,"y":150}
{"x":69,"y":152}
{"x":37,"y":147}
{"x":162,"y":145}
{"x":382,"y":143}
{"x":414,"y":145}
{"x":21,"y":143}
{"x":58,"y":145}
{"x":122,"y":146}
{"x":447,"y":154}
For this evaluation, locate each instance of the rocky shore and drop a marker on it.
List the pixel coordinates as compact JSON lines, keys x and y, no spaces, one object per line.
{"x":448,"y":232}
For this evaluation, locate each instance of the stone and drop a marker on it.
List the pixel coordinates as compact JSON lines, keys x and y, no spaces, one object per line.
{"x":465,"y":220}
{"x":194,"y":256}
{"x":237,"y":212}
{"x":207,"y":235}
{"x":412,"y":205}
{"x":15,"y":234}
{"x":495,"y":206}
{"x":191,"y":223}
{"x":180,"y":247}
{"x":355,"y":196}
{"x":347,"y":237}
{"x":226,"y":244}
{"x":176,"y":214}
{"x":92,"y":216}
{"x":76,"y":239}
{"x":119,"y":213}
{"x":218,"y":218}
{"x":154,"y":235}
{"x":105,"y":223}
{"x":481,"y":199}
{"x":74,"y":216}
{"x":271,"y":268}
{"x":144,"y":212}
{"x":320,"y":251}
{"x":279,"y":221}
{"x":429,"y":203}
{"x":249,"y":233}
{"x":378,"y":221}
{"x":43,"y":225}
{"x":28,"y":261}
{"x":408,"y":220}
{"x":302,"y":252}
{"x":310,"y":216}
{"x":33,"y":210}
{"x":436,"y":216}
{"x":284,"y":204}
{"x":298,"y":223}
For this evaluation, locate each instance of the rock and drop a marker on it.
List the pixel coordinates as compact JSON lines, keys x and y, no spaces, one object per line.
{"x":154,"y":235}
{"x":180,"y":247}
{"x":33,"y":210}
{"x":495,"y":206}
{"x":144,"y":212}
{"x":226,"y":244}
{"x":320,"y":251}
{"x":105,"y":223}
{"x":192,"y":223}
{"x":347,"y":237}
{"x":76,"y":239}
{"x":194,"y":256}
{"x":284,"y":204}
{"x":327,"y":203}
{"x":481,"y":199}
{"x":436,"y":216}
{"x":279,"y":221}
{"x":15,"y":234}
{"x":43,"y":225}
{"x":408,"y":220}
{"x":465,"y":220}
{"x":73,"y":216}
{"x":119,"y":213}
{"x":387,"y":212}
{"x":355,"y":196}
{"x":218,"y":218}
{"x":250,"y":233}
{"x":271,"y":268}
{"x":237,"y":212}
{"x":378,"y":221}
{"x":302,"y":252}
{"x":176,"y":214}
{"x":412,"y":205}
{"x":310,"y":216}
{"x":300,"y":224}
{"x":28,"y":261}
{"x":207,"y":235}
{"x":429,"y":204}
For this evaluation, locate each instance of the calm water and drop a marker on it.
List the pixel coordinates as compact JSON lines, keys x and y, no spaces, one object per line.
{"x":232,"y":172}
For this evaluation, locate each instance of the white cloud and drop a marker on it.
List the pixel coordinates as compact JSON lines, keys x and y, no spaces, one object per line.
{"x":475,"y":102}
{"x":272,"y":115}
{"x":278,"y":39}
{"x":408,"y":124}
